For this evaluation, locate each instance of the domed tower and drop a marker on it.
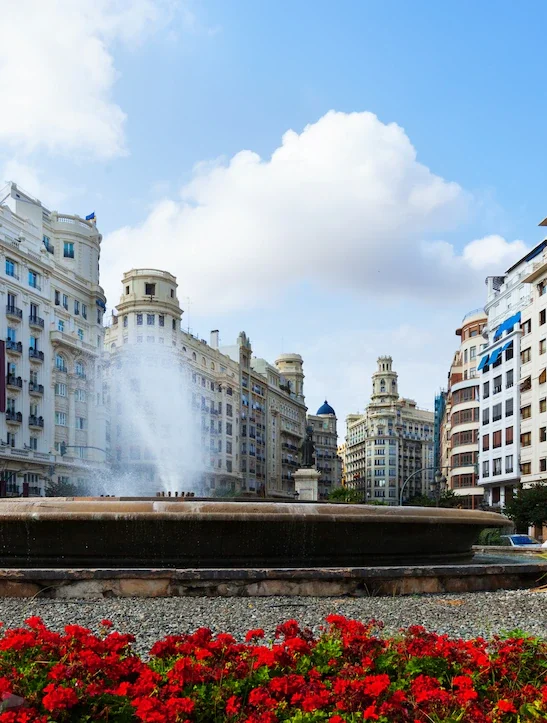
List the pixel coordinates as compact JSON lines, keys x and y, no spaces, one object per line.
{"x":291,"y":367}
{"x":384,"y":382}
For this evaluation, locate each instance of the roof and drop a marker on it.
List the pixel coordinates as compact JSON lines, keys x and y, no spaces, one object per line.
{"x":326,"y":409}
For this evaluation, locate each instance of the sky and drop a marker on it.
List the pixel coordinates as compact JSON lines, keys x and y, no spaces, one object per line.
{"x":335,"y":179}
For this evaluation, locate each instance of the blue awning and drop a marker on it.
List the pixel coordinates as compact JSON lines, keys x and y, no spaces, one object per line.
{"x":507,"y":324}
{"x":506,"y":346}
{"x":495,"y":355}
{"x":483,"y":363}
{"x":101,"y":303}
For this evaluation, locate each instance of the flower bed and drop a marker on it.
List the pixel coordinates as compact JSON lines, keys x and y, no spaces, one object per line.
{"x":349,"y":672}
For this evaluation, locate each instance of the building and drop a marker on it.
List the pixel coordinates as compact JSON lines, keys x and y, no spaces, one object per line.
{"x":325,"y":437}
{"x":505,"y":372}
{"x":215,"y":420}
{"x":459,"y":413}
{"x":52,"y":325}
{"x":388,"y":445}
{"x":341,"y":451}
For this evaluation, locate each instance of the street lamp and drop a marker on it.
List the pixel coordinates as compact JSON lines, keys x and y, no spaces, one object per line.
{"x":438,"y":486}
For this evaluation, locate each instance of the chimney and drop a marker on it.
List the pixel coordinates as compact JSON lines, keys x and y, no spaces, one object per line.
{"x":214,"y":339}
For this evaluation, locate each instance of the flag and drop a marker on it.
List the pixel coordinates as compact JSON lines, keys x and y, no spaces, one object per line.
{"x":91,"y":217}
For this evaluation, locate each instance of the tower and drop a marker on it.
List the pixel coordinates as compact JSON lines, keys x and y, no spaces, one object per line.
{"x":384,"y":382}
{"x":290,"y":366}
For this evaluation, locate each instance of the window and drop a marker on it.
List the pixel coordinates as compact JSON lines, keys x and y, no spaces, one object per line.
{"x":509,"y":354}
{"x":139,"y":319}
{"x":161,"y":319}
{"x":526,"y":327}
{"x":81,"y":334}
{"x":149,"y":339}
{"x":229,"y":412}
{"x":34,"y":443}
{"x":509,"y":435}
{"x":542,"y":317}
{"x":81,"y":423}
{"x":127,"y":290}
{"x":76,"y":307}
{"x":229,"y":429}
{"x":486,"y":390}
{"x":125,"y":321}
{"x":509,"y":408}
{"x":543,"y":377}
{"x":60,"y":390}
{"x":497,"y":466}
{"x":12,"y":334}
{"x":525,"y":439}
{"x":497,"y":384}
{"x":228,"y":461}
{"x":496,"y":439}
{"x":60,"y":419}
{"x":172,"y":293}
{"x":33,"y":279}
{"x":150,"y":319}
{"x":543,"y":405}
{"x":525,"y":467}
{"x":60,"y":363}
{"x":496,"y":412}
{"x":68,"y":250}
{"x":60,"y":325}
{"x":150,"y":289}
{"x":525,"y":355}
{"x":485,"y":442}
{"x":57,"y":298}
{"x":509,"y":379}
{"x":473,"y":332}
{"x":65,"y":301}
{"x":84,"y":311}
{"x":174,"y":325}
{"x":486,"y":468}
{"x":543,"y":346}
{"x":10,"y":268}
{"x":542,"y":288}
{"x":509,"y":463}
{"x":543,"y":434}
{"x":526,"y":412}
{"x":465,"y":356}
{"x":80,"y":395}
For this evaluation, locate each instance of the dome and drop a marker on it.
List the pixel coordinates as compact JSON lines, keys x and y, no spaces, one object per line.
{"x":326,"y":409}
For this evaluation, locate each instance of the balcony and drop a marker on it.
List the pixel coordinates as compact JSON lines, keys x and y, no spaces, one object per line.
{"x":15,"y":347}
{"x":35,"y":355}
{"x":14,"y":382}
{"x":14,"y":312}
{"x":14,"y":417}
{"x":36,"y":422}
{"x":34,"y":388}
{"x":36,"y":321}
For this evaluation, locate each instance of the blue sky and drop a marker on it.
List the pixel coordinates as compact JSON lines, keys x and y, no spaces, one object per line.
{"x":359,"y":237}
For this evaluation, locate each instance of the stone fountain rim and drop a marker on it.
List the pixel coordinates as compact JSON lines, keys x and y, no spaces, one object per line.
{"x":112,"y":508}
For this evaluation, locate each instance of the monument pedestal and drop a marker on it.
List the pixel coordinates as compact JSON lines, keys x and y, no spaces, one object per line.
{"x":306,"y":484}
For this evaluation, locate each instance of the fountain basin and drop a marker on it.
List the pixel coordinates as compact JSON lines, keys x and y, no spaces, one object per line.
{"x":198,"y":534}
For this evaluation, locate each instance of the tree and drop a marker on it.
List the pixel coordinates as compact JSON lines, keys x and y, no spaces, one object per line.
{"x":345,"y":494}
{"x":447,"y":499}
{"x":528,"y":507}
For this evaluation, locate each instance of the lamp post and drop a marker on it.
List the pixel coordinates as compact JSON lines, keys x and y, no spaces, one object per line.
{"x":438,"y":485}
{"x":440,"y":480}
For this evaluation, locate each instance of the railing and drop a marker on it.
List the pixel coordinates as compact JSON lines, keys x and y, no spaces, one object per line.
{"x":13,"y":381}
{"x":35,"y":388}
{"x":61,"y":369}
{"x":12,"y":275}
{"x":35,"y":354}
{"x":35,"y":285}
{"x":75,"y":221}
{"x":34,"y":421}
{"x":36,"y":321}
{"x":473,"y":313}
{"x":14,"y":311}
{"x":15,"y":346}
{"x":13,"y":416}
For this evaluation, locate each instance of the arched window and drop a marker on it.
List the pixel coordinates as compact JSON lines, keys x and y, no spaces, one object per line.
{"x":203,"y":362}
{"x":213,"y":366}
{"x":194,"y":357}
{"x":184,"y":349}
{"x":79,"y":368}
{"x":60,"y":363}
{"x":113,"y":345}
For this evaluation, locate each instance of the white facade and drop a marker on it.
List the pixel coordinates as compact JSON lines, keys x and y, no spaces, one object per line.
{"x":505,"y":362}
{"x":51,"y":322}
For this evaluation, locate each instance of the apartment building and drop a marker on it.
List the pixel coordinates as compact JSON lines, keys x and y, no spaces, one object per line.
{"x":460,"y":418}
{"x":505,"y":372}
{"x":341,"y":451}
{"x":173,"y":398}
{"x":390,"y":443}
{"x":51,"y":401}
{"x":325,"y":437}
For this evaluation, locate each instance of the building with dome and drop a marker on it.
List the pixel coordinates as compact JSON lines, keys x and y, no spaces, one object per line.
{"x":325,"y":437}
{"x":389,"y":443}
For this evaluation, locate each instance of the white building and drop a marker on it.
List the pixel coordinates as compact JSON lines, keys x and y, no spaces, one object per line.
{"x":52,"y":326}
{"x":505,"y":362}
{"x":325,"y":437}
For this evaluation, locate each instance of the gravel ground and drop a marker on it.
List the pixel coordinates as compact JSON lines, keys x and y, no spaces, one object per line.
{"x":464,"y":615}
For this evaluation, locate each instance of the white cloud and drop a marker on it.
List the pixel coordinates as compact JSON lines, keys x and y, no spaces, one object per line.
{"x":344,"y":203}
{"x":57,"y":72}
{"x":493,"y":251}
{"x":31,"y":180}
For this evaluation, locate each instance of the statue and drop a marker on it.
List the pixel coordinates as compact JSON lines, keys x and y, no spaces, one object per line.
{"x":307,"y":450}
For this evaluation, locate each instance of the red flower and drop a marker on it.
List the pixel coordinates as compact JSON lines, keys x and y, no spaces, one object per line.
{"x":505,"y":706}
{"x":233,"y":705}
{"x":375,"y":685}
{"x":254,"y":634}
{"x":106,"y":623}
{"x":58,"y":698}
{"x":370,"y":713}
